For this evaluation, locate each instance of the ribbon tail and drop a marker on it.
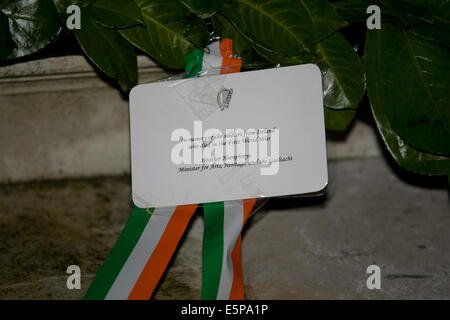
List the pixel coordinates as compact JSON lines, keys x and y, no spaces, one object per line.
{"x":141,"y":254}
{"x":237,"y":288}
{"x":222,"y":276}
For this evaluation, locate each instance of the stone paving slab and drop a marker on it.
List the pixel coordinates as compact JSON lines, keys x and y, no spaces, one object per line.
{"x":315,"y":248}
{"x":321,"y":248}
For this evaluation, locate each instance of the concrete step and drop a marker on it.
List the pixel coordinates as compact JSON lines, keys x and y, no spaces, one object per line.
{"x":316,"y":248}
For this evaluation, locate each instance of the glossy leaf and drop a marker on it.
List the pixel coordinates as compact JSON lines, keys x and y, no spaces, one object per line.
{"x":241,"y":46}
{"x":356,"y":10}
{"x":62,"y":5}
{"x":413,"y":14}
{"x":406,"y":156}
{"x":351,"y":10}
{"x":109,"y":51}
{"x":338,"y":120}
{"x":406,"y":11}
{"x":6,"y":43}
{"x":32,"y":23}
{"x":344,"y":81}
{"x":115,"y":14}
{"x":284,"y":59}
{"x":202,"y":8}
{"x":414,"y":85}
{"x":170,"y":32}
{"x":439,"y":9}
{"x":283,"y":27}
{"x":437,"y":31}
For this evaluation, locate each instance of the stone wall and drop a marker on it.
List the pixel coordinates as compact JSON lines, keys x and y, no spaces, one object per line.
{"x":60,"y":119}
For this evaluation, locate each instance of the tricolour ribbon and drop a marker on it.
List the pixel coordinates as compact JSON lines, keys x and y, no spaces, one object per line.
{"x":141,"y":254}
{"x":222,"y":277}
{"x":143,"y":250}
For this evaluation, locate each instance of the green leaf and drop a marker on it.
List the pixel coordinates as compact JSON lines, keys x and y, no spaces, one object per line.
{"x":203,"y":8}
{"x":115,"y":14}
{"x":283,"y":59}
{"x":413,"y":12}
{"x":352,"y":10}
{"x":426,"y":19}
{"x":437,"y":31}
{"x":344,"y":85}
{"x":417,"y":15}
{"x":440,"y":9}
{"x":283,"y":27}
{"x":338,"y":120}
{"x":356,"y":10}
{"x":241,"y":46}
{"x":109,"y":51}
{"x":62,"y":5}
{"x":414,"y":85}
{"x":6,"y":43}
{"x":405,"y":155}
{"x":406,"y":11}
{"x":32,"y":23}
{"x":170,"y":32}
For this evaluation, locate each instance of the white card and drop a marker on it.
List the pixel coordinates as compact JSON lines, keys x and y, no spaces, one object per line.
{"x":228,"y":137}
